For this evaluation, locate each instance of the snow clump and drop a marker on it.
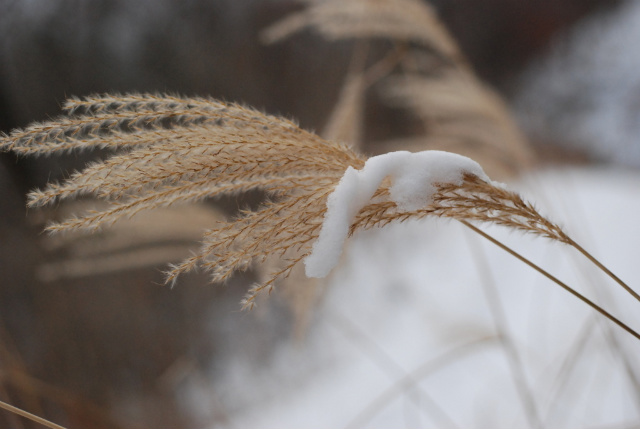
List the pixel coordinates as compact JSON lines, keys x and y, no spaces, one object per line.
{"x":414,"y":177}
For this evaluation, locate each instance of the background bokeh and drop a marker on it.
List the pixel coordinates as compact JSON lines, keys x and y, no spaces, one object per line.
{"x":118,"y":349}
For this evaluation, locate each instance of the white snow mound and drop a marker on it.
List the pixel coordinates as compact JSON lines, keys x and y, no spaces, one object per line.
{"x":414,"y":178}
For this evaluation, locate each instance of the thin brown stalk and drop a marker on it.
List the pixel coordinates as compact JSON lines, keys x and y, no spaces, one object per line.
{"x":603,"y":268}
{"x":32,"y":417}
{"x":13,"y":419}
{"x":553,"y":279}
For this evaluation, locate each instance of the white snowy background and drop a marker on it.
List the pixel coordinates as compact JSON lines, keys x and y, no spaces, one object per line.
{"x":408,"y":335}
{"x":428,"y":325}
{"x":586,"y":93}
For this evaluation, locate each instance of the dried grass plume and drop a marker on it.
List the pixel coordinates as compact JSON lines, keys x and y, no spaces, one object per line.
{"x":176,"y":150}
{"x":423,"y":72}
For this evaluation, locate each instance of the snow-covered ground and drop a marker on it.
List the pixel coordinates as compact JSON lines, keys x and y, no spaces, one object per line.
{"x":408,"y":334}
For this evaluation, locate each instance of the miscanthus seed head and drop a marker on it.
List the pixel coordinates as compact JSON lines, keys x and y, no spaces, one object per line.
{"x":175,"y":150}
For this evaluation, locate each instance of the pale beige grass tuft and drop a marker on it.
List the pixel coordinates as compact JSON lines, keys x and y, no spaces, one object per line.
{"x":405,"y":20}
{"x":424,"y":73}
{"x":197,"y":148}
{"x":160,"y":236}
{"x":462,"y":115}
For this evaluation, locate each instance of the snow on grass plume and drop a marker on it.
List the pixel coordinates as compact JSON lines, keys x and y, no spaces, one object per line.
{"x":415,"y":179}
{"x":181,"y":150}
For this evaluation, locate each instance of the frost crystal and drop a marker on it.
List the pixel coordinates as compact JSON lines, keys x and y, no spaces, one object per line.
{"x":414,"y":177}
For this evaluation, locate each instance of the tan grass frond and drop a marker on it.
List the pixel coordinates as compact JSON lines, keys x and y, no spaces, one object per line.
{"x":232,"y":150}
{"x":400,"y":20}
{"x":457,"y":109}
{"x":137,"y":120}
{"x":135,"y":103}
{"x":162,"y":235}
{"x":474,"y":200}
{"x":434,"y":81}
{"x":187,"y":225}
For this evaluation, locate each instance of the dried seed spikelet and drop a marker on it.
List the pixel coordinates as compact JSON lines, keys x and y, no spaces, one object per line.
{"x":230,"y":149}
{"x":474,"y":200}
{"x":400,"y":20}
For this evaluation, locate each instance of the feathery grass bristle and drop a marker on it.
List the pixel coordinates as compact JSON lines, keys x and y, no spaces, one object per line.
{"x":183,"y":150}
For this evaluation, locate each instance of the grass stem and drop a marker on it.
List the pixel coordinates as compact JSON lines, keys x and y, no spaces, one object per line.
{"x":30,"y":416}
{"x":604,"y":269}
{"x":554,"y":279}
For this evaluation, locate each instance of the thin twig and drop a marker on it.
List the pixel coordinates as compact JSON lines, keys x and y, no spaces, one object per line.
{"x":603,"y":268}
{"x":555,"y":280}
{"x":385,"y":66}
{"x":30,"y":416}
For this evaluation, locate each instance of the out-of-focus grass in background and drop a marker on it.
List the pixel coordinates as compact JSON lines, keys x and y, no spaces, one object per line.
{"x":117,"y":350}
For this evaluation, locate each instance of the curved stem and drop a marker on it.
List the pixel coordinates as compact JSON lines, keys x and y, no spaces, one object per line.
{"x":554,"y":279}
{"x":603,"y":268}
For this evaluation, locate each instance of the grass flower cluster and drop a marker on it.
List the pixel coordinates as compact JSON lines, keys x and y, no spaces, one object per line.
{"x":171,"y":150}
